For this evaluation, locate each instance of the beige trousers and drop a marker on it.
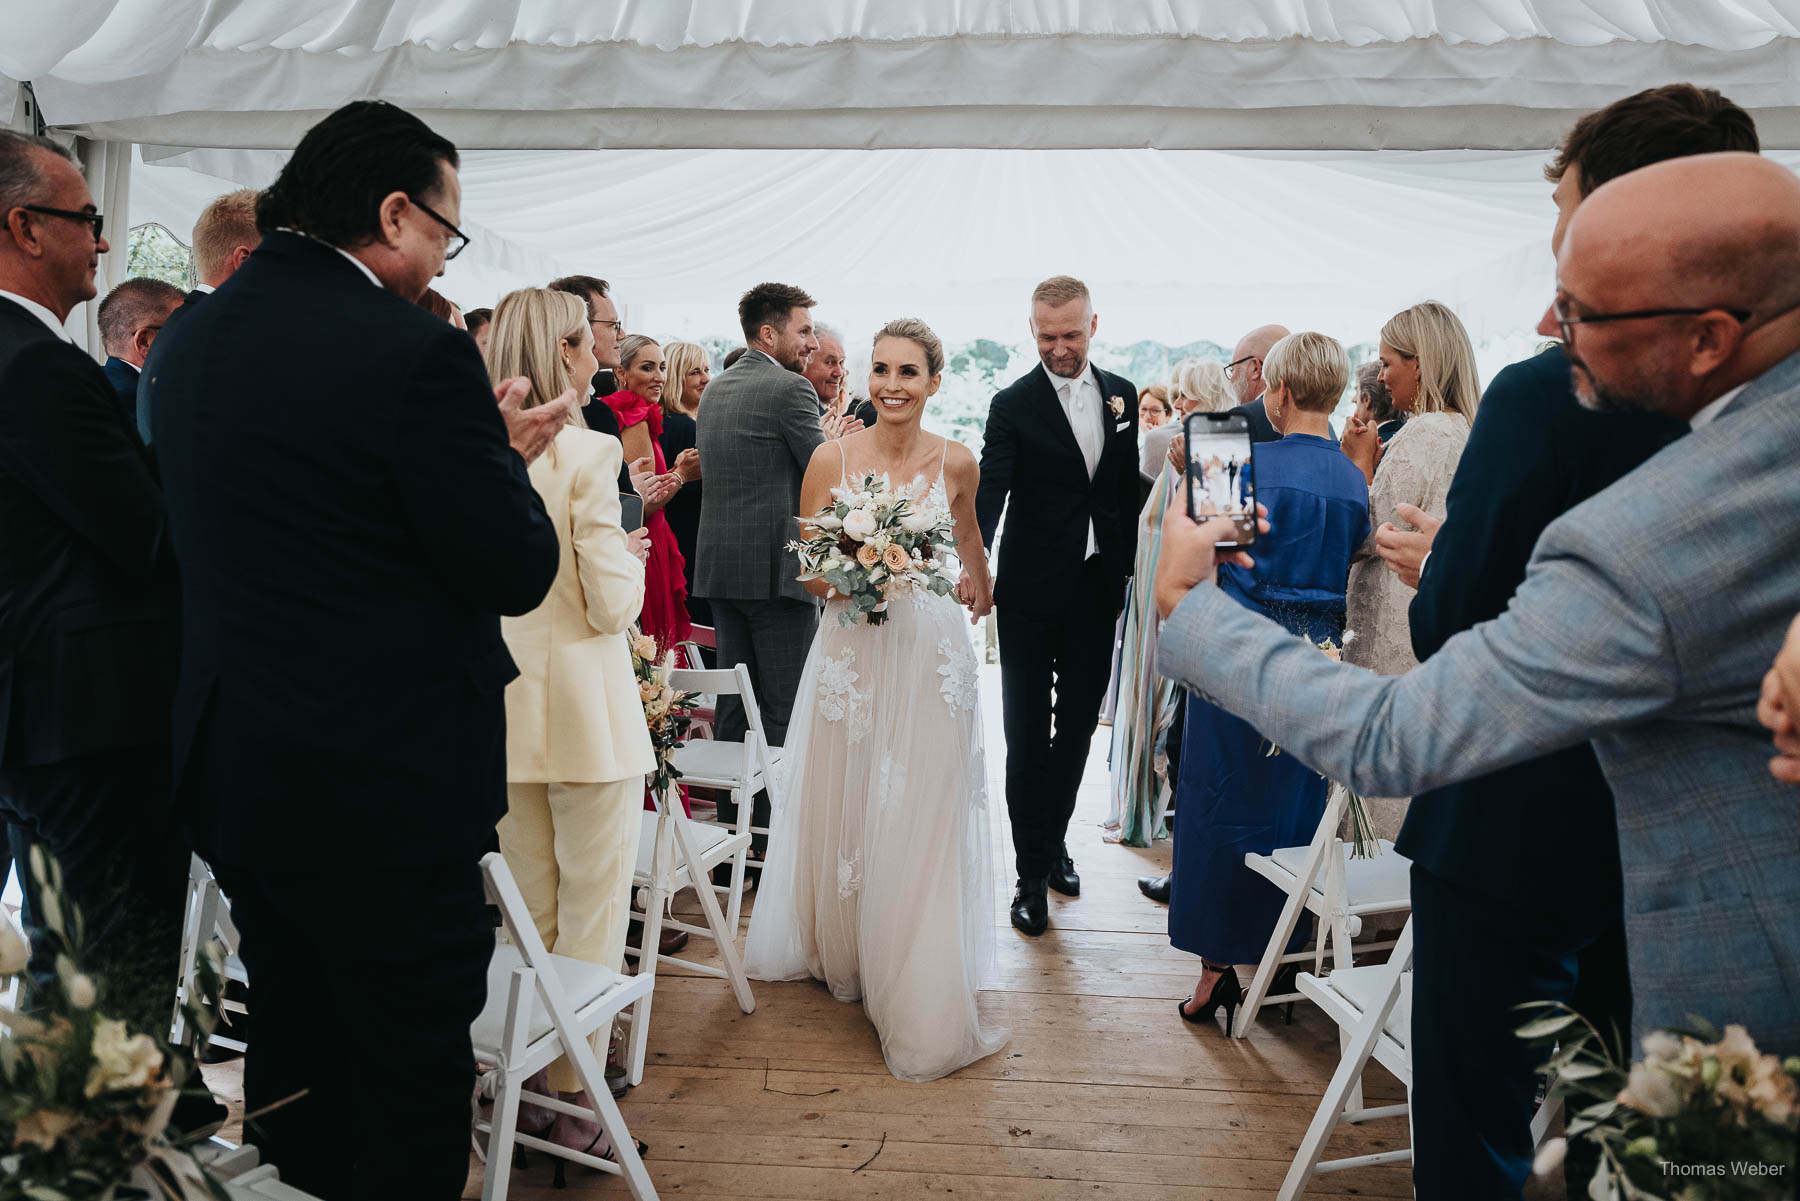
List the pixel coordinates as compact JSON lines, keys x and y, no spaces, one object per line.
{"x":572,"y":848}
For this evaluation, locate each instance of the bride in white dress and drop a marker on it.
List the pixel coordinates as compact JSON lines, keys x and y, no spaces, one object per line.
{"x":879,"y":878}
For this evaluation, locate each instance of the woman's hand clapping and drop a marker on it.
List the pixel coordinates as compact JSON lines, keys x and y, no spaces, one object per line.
{"x":1362,"y":443}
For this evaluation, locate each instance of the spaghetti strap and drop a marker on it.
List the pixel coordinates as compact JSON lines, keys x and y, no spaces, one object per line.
{"x":843,"y":466}
{"x":943,"y":453}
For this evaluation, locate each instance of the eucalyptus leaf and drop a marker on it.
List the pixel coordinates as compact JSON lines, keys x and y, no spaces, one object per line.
{"x":1545,"y":1027}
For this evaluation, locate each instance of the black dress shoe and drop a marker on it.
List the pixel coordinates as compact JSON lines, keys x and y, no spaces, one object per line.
{"x":1063,"y":878}
{"x":1155,"y":887}
{"x":1031,"y":908}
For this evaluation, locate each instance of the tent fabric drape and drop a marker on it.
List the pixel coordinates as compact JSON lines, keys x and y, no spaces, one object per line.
{"x":896,"y":73}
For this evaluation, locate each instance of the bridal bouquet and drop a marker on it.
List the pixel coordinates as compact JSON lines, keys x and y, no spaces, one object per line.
{"x":85,"y":1099}
{"x":1704,"y":1116}
{"x":667,"y":712}
{"x":873,"y":539}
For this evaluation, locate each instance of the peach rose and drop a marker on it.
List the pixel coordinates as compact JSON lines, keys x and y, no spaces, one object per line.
{"x":867,"y":555}
{"x":896,"y":558}
{"x":647,"y":690}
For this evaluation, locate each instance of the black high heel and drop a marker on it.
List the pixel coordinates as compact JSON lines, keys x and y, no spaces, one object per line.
{"x":1225,"y":992}
{"x":1286,"y":979}
{"x":559,"y":1180}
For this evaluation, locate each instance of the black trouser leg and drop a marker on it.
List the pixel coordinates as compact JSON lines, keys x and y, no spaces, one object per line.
{"x":363,"y":986}
{"x":107,"y":820}
{"x":1474,"y":1080}
{"x":1172,"y":749}
{"x":1054,"y":667}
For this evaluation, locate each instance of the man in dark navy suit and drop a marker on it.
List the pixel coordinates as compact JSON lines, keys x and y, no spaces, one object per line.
{"x":129,"y":319}
{"x":1060,"y":456}
{"x":351,"y":528}
{"x":1516,"y":886}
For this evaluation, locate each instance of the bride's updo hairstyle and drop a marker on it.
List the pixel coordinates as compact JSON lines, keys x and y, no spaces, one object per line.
{"x":920,"y":335}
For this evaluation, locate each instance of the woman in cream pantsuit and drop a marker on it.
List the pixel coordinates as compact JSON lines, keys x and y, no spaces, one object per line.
{"x":577,"y":748}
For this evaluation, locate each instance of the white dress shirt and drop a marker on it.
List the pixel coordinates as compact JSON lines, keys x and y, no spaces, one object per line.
{"x":1080,"y":399}
{"x":41,"y":313}
{"x":1714,"y":408}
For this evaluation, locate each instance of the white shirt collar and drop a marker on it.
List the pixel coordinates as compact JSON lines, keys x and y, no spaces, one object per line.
{"x":1717,"y":406}
{"x":359,"y":264}
{"x":41,"y":313}
{"x":129,"y":364}
{"x":210,"y":288}
{"x":1058,"y":382}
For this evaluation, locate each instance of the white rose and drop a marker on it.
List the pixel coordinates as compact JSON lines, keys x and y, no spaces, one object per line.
{"x":859,"y":524}
{"x":14,"y":950}
{"x":122,"y":1061}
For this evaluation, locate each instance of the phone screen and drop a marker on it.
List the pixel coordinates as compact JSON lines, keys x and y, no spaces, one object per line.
{"x":1220,"y":479}
{"x":631,"y":511}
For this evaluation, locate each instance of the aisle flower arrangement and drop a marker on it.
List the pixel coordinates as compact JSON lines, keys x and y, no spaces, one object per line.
{"x":1703,"y":1116}
{"x":85,"y":1099}
{"x":668,"y":712}
{"x":874,"y":539}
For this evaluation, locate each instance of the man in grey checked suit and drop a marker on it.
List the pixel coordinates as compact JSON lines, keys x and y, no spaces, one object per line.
{"x":757,"y":431}
{"x":1649,"y":614}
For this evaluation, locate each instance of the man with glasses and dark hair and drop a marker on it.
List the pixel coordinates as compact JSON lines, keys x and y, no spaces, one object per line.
{"x":351,"y":527}
{"x":88,"y":608}
{"x":609,"y":332}
{"x":1245,"y":375}
{"x":1483,"y":849}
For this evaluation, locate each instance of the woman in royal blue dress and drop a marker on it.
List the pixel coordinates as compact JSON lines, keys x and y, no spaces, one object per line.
{"x":1239,"y":798}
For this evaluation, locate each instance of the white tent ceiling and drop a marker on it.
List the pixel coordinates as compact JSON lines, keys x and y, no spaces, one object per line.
{"x":918,"y":155}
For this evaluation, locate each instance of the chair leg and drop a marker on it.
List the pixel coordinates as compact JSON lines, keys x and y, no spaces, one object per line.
{"x":638,"y":1045}
{"x":1284,"y":929}
{"x":724,"y":936}
{"x":497,"y":1174}
{"x":606,"y":1112}
{"x":1342,"y":958}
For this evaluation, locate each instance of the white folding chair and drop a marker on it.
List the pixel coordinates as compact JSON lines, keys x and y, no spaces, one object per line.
{"x":1372,"y":1007}
{"x":208,"y":917}
{"x":1326,"y":880}
{"x":741,"y":768}
{"x":706,"y":709}
{"x":539,"y":1008}
{"x":676,"y":853}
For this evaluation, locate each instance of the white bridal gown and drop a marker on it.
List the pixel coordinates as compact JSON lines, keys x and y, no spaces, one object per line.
{"x":879,"y":879}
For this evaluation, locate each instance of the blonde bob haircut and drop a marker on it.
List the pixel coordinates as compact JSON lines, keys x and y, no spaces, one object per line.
{"x":1432,"y":334}
{"x":679,"y":358}
{"x":1200,"y":386}
{"x":1312,"y":367}
{"x":529,"y":330}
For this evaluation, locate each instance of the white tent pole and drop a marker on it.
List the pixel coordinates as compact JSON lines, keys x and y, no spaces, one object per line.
{"x":107,"y":166}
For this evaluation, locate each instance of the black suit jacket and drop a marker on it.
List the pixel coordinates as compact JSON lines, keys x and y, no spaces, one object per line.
{"x":88,"y":603}
{"x":351,"y":528}
{"x":1260,"y":428}
{"x":124,"y":380}
{"x":1538,"y":837}
{"x":1029,"y":454}
{"x":143,"y":395}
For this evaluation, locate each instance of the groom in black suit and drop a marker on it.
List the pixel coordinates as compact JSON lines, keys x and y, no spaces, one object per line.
{"x":1062,"y":441}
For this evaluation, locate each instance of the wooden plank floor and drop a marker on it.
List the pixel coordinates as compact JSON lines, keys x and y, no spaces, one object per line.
{"x":1102,"y":1092}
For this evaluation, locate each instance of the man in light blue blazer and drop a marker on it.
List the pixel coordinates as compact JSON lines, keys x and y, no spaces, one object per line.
{"x":1649,"y":614}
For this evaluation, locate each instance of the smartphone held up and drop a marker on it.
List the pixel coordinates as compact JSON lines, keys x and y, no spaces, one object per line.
{"x":1220,"y":479}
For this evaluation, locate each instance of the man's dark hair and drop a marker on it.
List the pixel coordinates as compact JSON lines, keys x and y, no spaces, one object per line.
{"x":476,"y":318}
{"x":732,"y":356}
{"x":1672,"y":121}
{"x":131,"y":306}
{"x":334,"y":182}
{"x":770,"y":304}
{"x":21,"y":173}
{"x":583,"y":287}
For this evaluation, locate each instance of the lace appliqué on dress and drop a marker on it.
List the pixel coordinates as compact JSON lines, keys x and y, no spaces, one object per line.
{"x":849,"y":877}
{"x":839,"y":697}
{"x":961,"y":688}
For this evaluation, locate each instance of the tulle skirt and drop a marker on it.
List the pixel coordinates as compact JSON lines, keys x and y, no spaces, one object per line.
{"x":879,"y":880}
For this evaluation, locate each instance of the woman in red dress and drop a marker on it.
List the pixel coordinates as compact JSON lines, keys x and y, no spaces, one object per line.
{"x":638,"y":407}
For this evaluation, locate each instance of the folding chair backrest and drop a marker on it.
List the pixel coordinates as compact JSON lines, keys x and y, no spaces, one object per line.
{"x":721,"y":681}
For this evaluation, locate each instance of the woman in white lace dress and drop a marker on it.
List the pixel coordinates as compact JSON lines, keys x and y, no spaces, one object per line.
{"x":1428,"y":366}
{"x":879,"y":877}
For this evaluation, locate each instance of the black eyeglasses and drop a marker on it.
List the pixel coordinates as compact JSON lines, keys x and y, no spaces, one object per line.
{"x":1231,"y":368}
{"x":93,"y":219}
{"x":617,"y":327}
{"x":1566,"y":323}
{"x":462,"y":239}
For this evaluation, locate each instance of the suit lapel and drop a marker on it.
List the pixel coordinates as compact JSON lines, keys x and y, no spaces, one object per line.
{"x":1055,"y":418}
